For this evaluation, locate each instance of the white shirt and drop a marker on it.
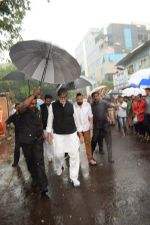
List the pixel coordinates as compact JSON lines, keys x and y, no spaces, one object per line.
{"x":84,"y":112}
{"x":122,"y":109}
{"x":49,"y":127}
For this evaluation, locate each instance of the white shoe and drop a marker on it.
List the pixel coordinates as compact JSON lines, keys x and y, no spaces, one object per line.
{"x":75,"y":183}
{"x":50,"y":158}
{"x":59,"y":172}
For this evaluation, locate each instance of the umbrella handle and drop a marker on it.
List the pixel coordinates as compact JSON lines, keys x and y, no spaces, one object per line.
{"x":29,"y":87}
{"x":45,"y":67}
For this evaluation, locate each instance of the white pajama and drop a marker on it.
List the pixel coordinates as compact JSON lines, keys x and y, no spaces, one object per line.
{"x":49,"y":149}
{"x":67,"y":144}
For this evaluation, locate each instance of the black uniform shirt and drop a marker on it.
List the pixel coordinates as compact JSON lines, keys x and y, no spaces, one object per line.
{"x":15,"y":119}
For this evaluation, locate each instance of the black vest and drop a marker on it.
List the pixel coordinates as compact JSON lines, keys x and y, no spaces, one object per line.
{"x":63,"y":122}
{"x":31,"y":128}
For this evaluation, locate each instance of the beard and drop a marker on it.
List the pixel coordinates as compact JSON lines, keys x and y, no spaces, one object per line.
{"x":79,"y":103}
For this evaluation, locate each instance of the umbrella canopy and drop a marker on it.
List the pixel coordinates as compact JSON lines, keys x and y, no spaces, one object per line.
{"x":44,"y":62}
{"x":133,"y":91}
{"x":145,"y":83}
{"x":15,"y":75}
{"x":115,"y":92}
{"x":79,"y":83}
{"x":137,"y":77}
{"x":103,"y":90}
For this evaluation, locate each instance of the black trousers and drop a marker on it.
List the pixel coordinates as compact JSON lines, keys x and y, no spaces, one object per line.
{"x":147,"y":124}
{"x":139,"y":128}
{"x":17,"y":150}
{"x":102,"y":133}
{"x":33,"y":154}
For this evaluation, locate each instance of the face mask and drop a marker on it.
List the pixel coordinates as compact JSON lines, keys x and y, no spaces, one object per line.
{"x":79,"y":103}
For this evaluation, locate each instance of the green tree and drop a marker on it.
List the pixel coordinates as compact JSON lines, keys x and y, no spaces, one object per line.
{"x":19,"y":89}
{"x":107,"y":83}
{"x":12,"y":13}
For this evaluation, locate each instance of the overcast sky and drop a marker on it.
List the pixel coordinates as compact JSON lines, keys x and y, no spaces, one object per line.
{"x":65,"y":22}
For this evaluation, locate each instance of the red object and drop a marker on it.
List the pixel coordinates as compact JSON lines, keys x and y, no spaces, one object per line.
{"x":138,"y":107}
{"x":1,"y":125}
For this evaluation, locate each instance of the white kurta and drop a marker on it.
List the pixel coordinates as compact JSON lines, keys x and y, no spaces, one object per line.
{"x":49,"y":149}
{"x":68,"y":143}
{"x":84,"y":112}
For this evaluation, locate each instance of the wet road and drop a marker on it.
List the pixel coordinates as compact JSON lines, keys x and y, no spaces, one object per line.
{"x":117,"y":194}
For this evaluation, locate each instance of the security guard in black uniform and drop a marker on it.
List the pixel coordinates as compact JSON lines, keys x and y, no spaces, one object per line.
{"x":31,"y":139}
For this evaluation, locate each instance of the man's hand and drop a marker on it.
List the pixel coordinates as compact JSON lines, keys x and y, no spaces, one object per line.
{"x":81,"y":138}
{"x":37,"y":92}
{"x":91,"y":126}
{"x":49,"y":139}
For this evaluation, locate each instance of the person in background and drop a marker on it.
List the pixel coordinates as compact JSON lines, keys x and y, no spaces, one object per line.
{"x":15,"y":119}
{"x":138,"y":108}
{"x":111,"y":113}
{"x":89,"y":99}
{"x":122,"y":114}
{"x":147,"y":114}
{"x":84,"y":112}
{"x":44,"y":112}
{"x":64,"y":122}
{"x":31,"y":140}
{"x":101,"y":126}
{"x":130,"y":113}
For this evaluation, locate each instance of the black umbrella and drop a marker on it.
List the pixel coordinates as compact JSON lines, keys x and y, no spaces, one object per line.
{"x":17,"y":76}
{"x":79,"y":83}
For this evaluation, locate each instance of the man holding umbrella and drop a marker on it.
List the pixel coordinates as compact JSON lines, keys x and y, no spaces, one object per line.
{"x":31,"y":140}
{"x":64,"y":122}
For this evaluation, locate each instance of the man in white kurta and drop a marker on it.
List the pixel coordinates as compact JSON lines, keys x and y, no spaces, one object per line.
{"x":84,"y":112}
{"x":44,"y":112}
{"x":64,"y":122}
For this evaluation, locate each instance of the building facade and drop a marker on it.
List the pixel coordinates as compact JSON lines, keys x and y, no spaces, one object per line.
{"x":100,"y":50}
{"x":138,"y":58}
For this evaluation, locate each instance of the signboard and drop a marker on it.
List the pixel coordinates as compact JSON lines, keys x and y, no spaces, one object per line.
{"x":120,"y":79}
{"x":3,"y":113}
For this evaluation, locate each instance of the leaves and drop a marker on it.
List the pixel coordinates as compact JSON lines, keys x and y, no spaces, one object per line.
{"x":19,"y":89}
{"x":12,"y":13}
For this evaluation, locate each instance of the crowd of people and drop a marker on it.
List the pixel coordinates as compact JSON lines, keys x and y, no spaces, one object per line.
{"x":132,"y":115}
{"x":59,"y":127}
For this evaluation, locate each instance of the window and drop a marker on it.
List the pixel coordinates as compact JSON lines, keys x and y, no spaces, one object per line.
{"x":130,"y":69}
{"x":143,"y":63}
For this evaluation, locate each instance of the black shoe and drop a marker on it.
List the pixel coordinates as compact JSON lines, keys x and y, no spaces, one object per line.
{"x":111,"y":161}
{"x":44,"y":192}
{"x":34,"y":184}
{"x":14,"y":164}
